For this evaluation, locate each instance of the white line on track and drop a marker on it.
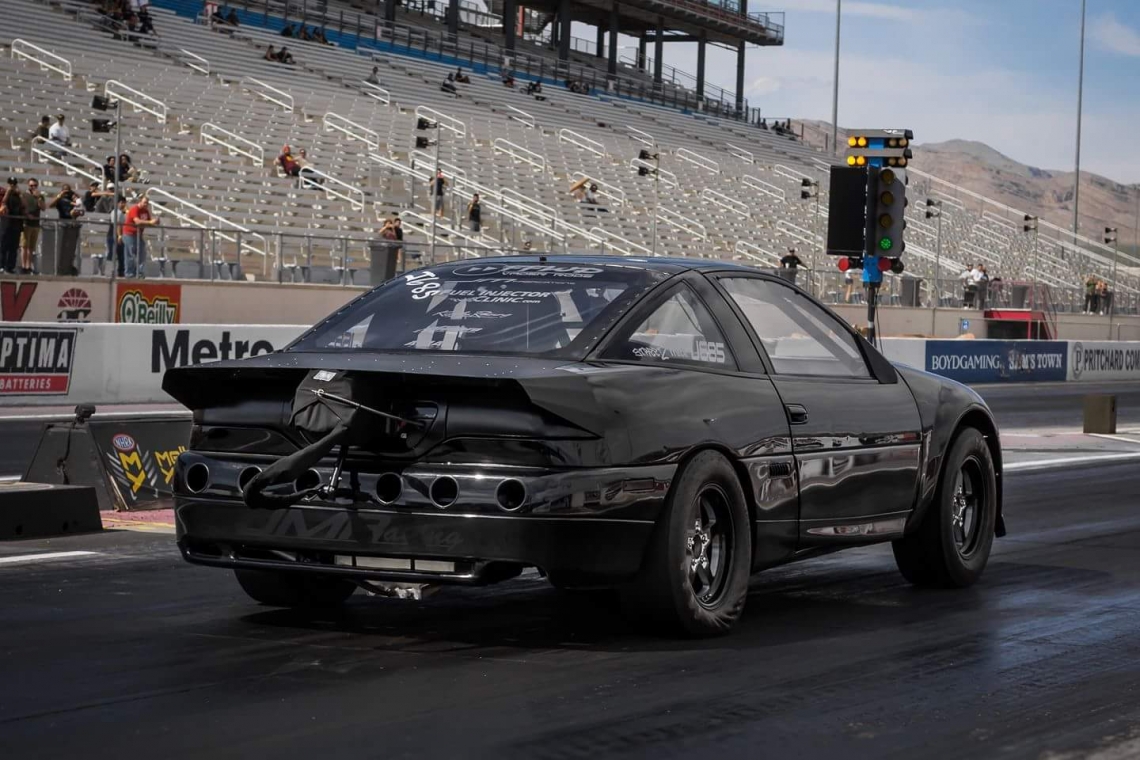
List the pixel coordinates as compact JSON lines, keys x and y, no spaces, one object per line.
{"x":44,"y":556}
{"x":1045,"y":464}
{"x":1124,"y":438}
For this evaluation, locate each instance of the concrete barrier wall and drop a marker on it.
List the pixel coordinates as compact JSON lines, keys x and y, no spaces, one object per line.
{"x":47,"y":363}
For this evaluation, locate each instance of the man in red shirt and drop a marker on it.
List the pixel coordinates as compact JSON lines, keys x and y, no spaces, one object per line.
{"x":138,"y":218}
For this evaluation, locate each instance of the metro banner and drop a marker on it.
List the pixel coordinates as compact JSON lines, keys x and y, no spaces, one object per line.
{"x":998,"y":361}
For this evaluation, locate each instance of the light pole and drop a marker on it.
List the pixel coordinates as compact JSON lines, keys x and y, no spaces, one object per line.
{"x":1080,"y":97}
{"x":934,"y":211}
{"x":809,"y":188}
{"x":1110,"y":236}
{"x":103,"y":103}
{"x":435,"y":191}
{"x":655,"y":157}
{"x":1030,"y":225}
{"x":835,"y":84}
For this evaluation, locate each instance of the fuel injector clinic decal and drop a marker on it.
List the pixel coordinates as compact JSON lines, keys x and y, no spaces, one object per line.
{"x":36,"y":362}
{"x":74,"y":306}
{"x":148,"y":303}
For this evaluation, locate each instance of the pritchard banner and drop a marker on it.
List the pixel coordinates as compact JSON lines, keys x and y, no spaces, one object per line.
{"x":1090,"y":361}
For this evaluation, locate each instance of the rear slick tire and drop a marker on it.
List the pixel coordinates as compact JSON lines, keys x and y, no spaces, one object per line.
{"x":952,"y":545}
{"x":694,"y":578}
{"x":296,"y":590}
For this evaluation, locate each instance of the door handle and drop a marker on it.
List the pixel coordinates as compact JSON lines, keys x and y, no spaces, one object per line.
{"x":797,"y":414}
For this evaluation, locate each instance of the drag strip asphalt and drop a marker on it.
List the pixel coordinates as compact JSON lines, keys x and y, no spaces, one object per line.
{"x":132,"y":653}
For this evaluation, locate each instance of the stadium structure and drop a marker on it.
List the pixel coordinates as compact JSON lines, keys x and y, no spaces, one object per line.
{"x":205,"y":114}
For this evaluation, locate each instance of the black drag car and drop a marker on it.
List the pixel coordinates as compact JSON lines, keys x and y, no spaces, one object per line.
{"x":665,"y":428}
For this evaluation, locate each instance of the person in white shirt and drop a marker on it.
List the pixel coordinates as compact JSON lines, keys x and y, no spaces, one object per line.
{"x":970,"y":279}
{"x":58,"y":132}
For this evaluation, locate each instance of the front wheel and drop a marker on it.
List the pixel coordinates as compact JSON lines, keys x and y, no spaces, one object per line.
{"x":278,"y":589}
{"x":694,"y":579}
{"x":952,"y":544}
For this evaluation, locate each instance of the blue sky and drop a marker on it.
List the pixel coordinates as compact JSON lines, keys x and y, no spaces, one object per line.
{"x":1003,"y":72}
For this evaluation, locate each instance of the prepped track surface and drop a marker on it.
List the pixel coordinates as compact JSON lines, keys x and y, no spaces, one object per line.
{"x":130,"y":653}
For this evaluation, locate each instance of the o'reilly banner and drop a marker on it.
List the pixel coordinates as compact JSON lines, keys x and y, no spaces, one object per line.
{"x":998,"y":361}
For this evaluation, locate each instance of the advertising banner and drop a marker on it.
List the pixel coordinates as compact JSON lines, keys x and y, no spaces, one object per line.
{"x":998,"y":361}
{"x":148,"y":303}
{"x":138,"y":457}
{"x":26,"y":300}
{"x":1091,"y":360}
{"x":36,"y":360}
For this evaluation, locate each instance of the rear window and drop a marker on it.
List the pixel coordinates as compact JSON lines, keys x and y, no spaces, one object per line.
{"x":485,"y":307}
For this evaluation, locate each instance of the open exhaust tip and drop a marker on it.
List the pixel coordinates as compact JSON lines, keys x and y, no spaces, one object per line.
{"x":307,"y":481}
{"x":246,"y":475}
{"x":389,"y":486}
{"x":197,"y":477}
{"x":510,"y":494}
{"x":444,"y":491}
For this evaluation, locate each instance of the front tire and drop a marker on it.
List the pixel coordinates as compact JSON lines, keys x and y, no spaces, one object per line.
{"x":952,"y":545}
{"x":297,"y":590}
{"x":694,"y":579}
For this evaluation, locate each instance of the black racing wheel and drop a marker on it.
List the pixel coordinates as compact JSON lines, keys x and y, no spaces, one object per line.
{"x":281,"y":589}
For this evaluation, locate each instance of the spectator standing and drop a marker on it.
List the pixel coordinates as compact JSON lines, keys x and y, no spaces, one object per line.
{"x":789,"y":265}
{"x":475,"y":213}
{"x":69,"y":206}
{"x":115,"y":237}
{"x":983,"y":281}
{"x":138,"y":218}
{"x":11,"y":225}
{"x":969,"y":287}
{"x":1090,"y":294}
{"x":1101,"y":297}
{"x":438,"y":189}
{"x":59,"y":133}
{"x":33,"y":204}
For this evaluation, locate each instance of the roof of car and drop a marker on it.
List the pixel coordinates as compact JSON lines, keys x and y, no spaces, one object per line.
{"x":658,"y":263}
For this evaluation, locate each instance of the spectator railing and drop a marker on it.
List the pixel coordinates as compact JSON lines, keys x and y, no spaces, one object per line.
{"x":53,"y":152}
{"x":494,"y":205}
{"x":419,"y":158}
{"x":520,"y":116}
{"x":227,"y":230}
{"x":195,"y":61}
{"x":376,"y":92}
{"x":334,"y":122}
{"x":666,"y":177}
{"x":268,"y":92}
{"x":680,"y":222}
{"x":332,"y":187}
{"x":396,"y":166}
{"x":767,"y":188}
{"x":641,"y":137}
{"x":622,"y":246}
{"x":697,"y":159}
{"x":237,"y":145}
{"x":46,"y":59}
{"x":581,"y":141}
{"x":422,"y":225}
{"x":519,"y":153}
{"x":746,"y":156}
{"x":140,"y":101}
{"x":605,"y":189}
{"x":756,"y":253}
{"x":445,"y":121}
{"x":794,"y":231}
{"x":788,"y":173}
{"x":723,"y":201}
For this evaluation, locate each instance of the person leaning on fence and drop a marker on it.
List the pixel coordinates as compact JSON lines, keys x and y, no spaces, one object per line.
{"x":138,"y":218}
{"x":114,"y":255}
{"x":1090,"y":294}
{"x":11,"y":226}
{"x":69,"y":206}
{"x":33,"y":205}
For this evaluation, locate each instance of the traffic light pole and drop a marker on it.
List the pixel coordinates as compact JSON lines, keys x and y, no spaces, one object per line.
{"x":435,"y":188}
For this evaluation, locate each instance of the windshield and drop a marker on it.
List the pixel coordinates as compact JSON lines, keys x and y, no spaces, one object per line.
{"x":486,"y":307}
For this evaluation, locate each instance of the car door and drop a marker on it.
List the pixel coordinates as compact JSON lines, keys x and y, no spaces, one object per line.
{"x":856,"y":434}
{"x":708,"y":387}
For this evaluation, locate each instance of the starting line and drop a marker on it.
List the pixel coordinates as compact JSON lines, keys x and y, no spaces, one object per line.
{"x":45,"y":556}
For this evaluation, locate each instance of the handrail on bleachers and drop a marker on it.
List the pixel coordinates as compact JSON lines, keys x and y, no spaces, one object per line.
{"x":46,"y":59}
{"x":581,"y":141}
{"x":417,"y":157}
{"x":744,"y":155}
{"x":279,"y":97}
{"x":696,"y":158}
{"x":393,"y":164}
{"x":787,"y":172}
{"x":641,"y":137}
{"x":742,"y":247}
{"x":521,"y":116}
{"x":332,"y":187}
{"x":241,"y":238}
{"x":767,"y":188}
{"x":679,"y":221}
{"x":607,"y":236}
{"x":376,"y":92}
{"x":725,"y":202}
{"x":444,"y":120}
{"x":519,"y":153}
{"x":48,"y":155}
{"x":237,"y":145}
{"x":335,"y":122}
{"x":140,"y":101}
{"x":605,"y":189}
{"x":799,"y":233}
{"x":195,"y":62}
{"x":507,"y":196}
{"x":665,"y":176}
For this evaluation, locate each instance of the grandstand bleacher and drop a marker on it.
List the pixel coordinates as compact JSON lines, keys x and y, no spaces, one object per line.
{"x":205,"y":115}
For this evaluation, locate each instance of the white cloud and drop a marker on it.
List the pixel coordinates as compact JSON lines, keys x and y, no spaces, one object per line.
{"x":1115,"y":36}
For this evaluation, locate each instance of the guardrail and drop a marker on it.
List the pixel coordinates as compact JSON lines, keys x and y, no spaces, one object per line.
{"x":605,"y":189}
{"x":788,"y":173}
{"x":396,"y":166}
{"x":268,"y":92}
{"x":376,"y":92}
{"x":665,"y":176}
{"x":767,"y":188}
{"x":626,"y":247}
{"x":581,"y":141}
{"x":696,"y":158}
{"x":48,"y":153}
{"x":744,"y":155}
{"x":332,"y":187}
{"x":446,"y":122}
{"x":519,"y":153}
{"x":237,"y":145}
{"x":334,"y":122}
{"x":641,"y":137}
{"x":683,"y":223}
{"x":240,"y":235}
{"x":520,"y":116}
{"x":763,"y":255}
{"x":725,"y":202}
{"x":140,"y":101}
{"x":46,"y":59}
{"x":195,"y":61}
{"x":513,"y":198}
{"x":417,"y":157}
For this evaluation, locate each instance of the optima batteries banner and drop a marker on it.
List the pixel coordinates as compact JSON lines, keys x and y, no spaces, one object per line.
{"x":998,"y":361}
